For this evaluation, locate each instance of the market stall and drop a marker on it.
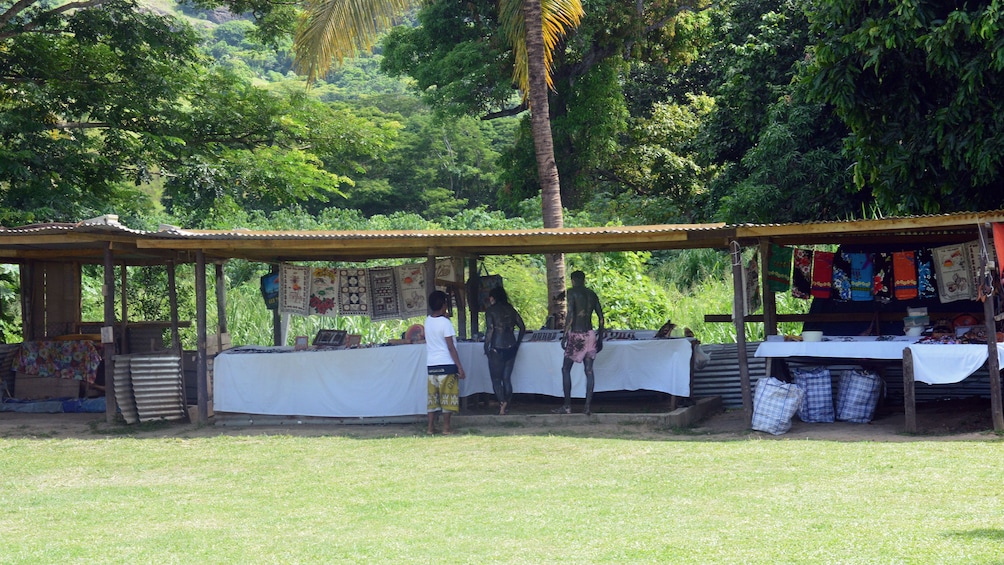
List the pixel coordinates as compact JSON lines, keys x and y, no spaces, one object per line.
{"x":391,"y":380}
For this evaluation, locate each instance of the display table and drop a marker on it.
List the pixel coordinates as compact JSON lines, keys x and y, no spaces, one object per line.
{"x":932,"y":364}
{"x":391,"y":381}
{"x":838,"y":347}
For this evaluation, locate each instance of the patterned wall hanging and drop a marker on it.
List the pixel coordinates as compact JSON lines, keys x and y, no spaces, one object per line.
{"x":294,"y":289}
{"x":383,"y":290}
{"x":323,"y":292}
{"x":353,"y":292}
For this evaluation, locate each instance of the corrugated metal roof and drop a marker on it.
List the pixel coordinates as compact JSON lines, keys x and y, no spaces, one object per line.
{"x":86,"y":241}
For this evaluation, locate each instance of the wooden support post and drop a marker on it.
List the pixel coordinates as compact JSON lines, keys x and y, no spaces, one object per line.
{"x":909,"y":392}
{"x":221,"y":307}
{"x":172,"y":294}
{"x":738,"y":315}
{"x":769,"y":298}
{"x":430,"y":273}
{"x":472,"y":296}
{"x":201,"y":361}
{"x":123,"y":284}
{"x":108,"y":327}
{"x":461,"y":292}
{"x":993,"y":363}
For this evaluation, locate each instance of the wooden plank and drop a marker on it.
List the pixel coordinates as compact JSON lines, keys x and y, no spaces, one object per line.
{"x":993,"y":363}
{"x":909,"y":392}
{"x":201,"y":361}
{"x":737,"y":307}
{"x":111,"y":404}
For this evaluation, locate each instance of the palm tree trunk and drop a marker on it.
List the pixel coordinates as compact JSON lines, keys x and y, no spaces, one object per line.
{"x":547,"y":170}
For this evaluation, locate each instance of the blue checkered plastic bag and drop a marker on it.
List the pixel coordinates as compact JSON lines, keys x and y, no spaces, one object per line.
{"x":774,"y":403}
{"x":858,"y":396}
{"x":818,"y":386}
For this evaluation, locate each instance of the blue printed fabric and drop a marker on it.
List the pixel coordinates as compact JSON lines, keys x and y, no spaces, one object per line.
{"x":774,"y":403}
{"x":818,"y":386}
{"x":862,"y":271}
{"x":858,"y":396}
{"x":841,"y":289}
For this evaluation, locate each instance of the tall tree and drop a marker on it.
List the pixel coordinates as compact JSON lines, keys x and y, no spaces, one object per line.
{"x":335,"y":29}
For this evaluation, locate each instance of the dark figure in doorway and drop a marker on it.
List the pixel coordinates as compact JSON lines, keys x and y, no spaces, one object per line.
{"x":501,"y":345}
{"x":580,"y":342}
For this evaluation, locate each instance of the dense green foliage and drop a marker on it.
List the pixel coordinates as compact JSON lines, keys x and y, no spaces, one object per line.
{"x":662,"y":112}
{"x":918,"y":84}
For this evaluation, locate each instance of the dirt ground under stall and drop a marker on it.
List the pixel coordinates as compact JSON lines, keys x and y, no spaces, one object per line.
{"x":946,"y":420}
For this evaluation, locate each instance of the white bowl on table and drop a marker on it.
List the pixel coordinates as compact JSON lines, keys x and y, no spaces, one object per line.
{"x":812,"y":335}
{"x":914,"y":331}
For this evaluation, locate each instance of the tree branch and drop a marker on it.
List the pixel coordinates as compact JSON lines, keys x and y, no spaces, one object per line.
{"x":506,"y":112}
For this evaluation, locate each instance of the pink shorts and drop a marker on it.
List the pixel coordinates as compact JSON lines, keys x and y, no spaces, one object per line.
{"x":580,"y":345}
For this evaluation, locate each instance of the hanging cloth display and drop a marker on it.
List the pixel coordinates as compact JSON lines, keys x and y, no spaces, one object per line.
{"x":801,"y":274}
{"x":353,"y":292}
{"x":951,"y":264}
{"x":998,"y":230}
{"x":779,"y":269}
{"x":323,"y":292}
{"x":927,"y":278}
{"x":841,"y":277}
{"x":294,"y":289}
{"x":861,"y":276}
{"x":822,"y":274}
{"x":882,"y":279}
{"x":904,"y":268}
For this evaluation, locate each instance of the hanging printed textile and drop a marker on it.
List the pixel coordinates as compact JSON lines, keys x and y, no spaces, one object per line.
{"x":411,"y":286}
{"x":779,"y":268}
{"x":822,"y":274}
{"x":445,"y":270}
{"x":353,"y":292}
{"x":882,"y":279}
{"x":383,"y":288}
{"x":861,"y":276}
{"x":904,"y":268}
{"x":323,"y":292}
{"x":841,"y":277}
{"x":294,"y":289}
{"x":951,"y":266}
{"x":927,"y":278}
{"x":801,"y":274}
{"x":974,"y":249}
{"x":998,"y":230}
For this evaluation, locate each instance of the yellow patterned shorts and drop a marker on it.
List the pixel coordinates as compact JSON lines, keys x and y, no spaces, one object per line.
{"x":444,"y":393}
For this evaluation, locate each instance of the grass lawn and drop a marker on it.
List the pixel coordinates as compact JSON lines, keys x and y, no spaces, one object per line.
{"x":473,"y":499}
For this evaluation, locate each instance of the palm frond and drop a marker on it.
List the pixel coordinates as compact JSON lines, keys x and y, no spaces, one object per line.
{"x":332,"y":30}
{"x":559,"y":18}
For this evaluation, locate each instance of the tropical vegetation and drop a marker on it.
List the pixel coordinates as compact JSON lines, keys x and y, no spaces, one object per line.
{"x":193,"y":114}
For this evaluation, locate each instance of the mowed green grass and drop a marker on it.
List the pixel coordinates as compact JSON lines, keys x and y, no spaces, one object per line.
{"x":503,"y":499}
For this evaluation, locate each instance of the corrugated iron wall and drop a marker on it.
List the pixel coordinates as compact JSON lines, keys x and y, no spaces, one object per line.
{"x":721,"y":377}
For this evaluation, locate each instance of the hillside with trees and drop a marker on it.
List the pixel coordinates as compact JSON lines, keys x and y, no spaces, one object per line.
{"x":661,"y":112}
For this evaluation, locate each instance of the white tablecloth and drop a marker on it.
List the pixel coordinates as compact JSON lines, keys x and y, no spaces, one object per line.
{"x":391,"y":381}
{"x":858,"y":347}
{"x":937,"y":364}
{"x":932,"y":363}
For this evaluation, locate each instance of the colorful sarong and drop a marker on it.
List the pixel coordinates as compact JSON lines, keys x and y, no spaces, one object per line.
{"x":904,"y":268}
{"x":822,"y":274}
{"x":927,"y":279}
{"x":998,"y":230}
{"x":882,"y":279}
{"x":444,"y":389}
{"x":861,"y":276}
{"x":779,"y":268}
{"x":801,"y":274}
{"x":579,"y":345}
{"x":841,"y":277}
